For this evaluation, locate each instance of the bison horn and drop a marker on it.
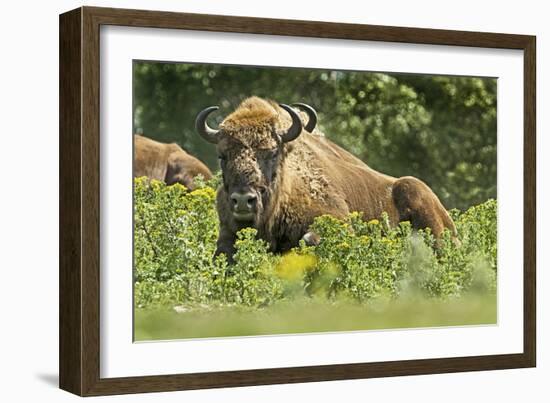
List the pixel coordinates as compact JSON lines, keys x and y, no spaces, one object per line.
{"x":294,"y":131}
{"x":202,"y":127}
{"x":312,"y":115}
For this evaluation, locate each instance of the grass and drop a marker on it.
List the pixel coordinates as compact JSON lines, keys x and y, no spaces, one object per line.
{"x":312,"y":316}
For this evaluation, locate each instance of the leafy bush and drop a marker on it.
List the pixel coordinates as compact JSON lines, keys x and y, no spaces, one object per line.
{"x":175,"y":234}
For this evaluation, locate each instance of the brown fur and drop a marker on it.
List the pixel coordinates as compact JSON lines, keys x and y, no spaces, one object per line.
{"x":166,"y":162}
{"x":313,"y":177}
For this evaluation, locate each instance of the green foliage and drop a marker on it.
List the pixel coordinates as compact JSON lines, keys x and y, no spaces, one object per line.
{"x":176,"y":231}
{"x":441,"y":129}
{"x":252,"y":280}
{"x":174,"y":239}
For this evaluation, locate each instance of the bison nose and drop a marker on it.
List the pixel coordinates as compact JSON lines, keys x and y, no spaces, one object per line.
{"x":243,"y":201}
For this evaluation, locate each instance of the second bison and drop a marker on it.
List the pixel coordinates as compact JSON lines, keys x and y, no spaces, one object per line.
{"x":166,"y":162}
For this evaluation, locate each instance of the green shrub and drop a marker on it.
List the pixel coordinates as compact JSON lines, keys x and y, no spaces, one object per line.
{"x":175,"y":233}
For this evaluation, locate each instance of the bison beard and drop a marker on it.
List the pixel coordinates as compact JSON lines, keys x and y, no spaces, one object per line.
{"x":279,"y":173}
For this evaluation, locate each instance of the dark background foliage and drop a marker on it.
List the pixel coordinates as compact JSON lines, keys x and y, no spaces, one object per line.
{"x":441,"y":129}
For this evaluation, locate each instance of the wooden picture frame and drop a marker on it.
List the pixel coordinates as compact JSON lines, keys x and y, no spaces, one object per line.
{"x":79,"y":317}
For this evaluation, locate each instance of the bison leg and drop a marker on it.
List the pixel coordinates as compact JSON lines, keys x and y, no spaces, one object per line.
{"x":311,"y":238}
{"x":417,"y":203}
{"x":226,"y":245}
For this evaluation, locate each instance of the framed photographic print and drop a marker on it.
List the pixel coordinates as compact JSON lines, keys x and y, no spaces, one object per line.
{"x":249,"y":201}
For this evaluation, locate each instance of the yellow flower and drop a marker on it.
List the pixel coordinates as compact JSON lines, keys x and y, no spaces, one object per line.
{"x":179,"y":186}
{"x":206,"y":192}
{"x":156,"y":185}
{"x":293,"y":266}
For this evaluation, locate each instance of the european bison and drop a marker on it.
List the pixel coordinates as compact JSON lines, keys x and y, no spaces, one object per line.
{"x":277,"y":177}
{"x":166,"y":162}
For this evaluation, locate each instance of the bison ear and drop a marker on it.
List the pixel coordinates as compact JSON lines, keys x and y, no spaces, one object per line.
{"x":207,"y":133}
{"x":295,"y":129}
{"x":311,"y":114}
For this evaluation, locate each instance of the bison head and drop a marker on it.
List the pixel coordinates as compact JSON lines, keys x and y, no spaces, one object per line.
{"x":251,"y":147}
